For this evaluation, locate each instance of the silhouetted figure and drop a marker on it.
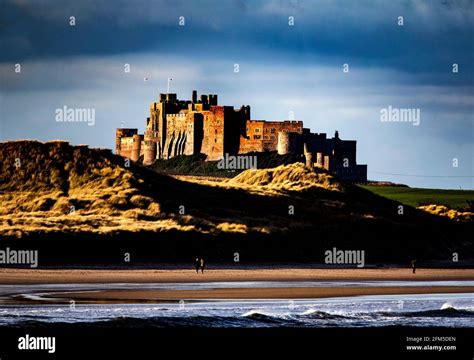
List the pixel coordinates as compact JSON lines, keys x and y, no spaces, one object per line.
{"x":413,"y":265}
{"x":203,"y":264}
{"x":197,"y":264}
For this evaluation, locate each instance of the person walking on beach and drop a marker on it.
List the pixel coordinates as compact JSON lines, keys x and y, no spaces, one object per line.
{"x":197,"y":264}
{"x":413,"y":265}
{"x":203,"y":264}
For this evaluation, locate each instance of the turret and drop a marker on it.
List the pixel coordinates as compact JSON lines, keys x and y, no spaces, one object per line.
{"x":171,"y":97}
{"x":283,"y":142}
{"x":119,"y":134}
{"x":149,"y":153}
{"x":137,"y":142}
{"x":319,"y":159}
{"x":308,"y":156}
{"x":328,"y":162}
{"x":213,"y":99}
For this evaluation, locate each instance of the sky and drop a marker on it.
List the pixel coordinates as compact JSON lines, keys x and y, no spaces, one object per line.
{"x":336,"y":65}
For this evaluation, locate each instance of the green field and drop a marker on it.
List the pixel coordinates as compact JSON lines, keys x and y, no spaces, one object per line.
{"x":454,"y":199}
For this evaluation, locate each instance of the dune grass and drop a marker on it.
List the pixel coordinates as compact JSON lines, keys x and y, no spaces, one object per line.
{"x":292,"y":177}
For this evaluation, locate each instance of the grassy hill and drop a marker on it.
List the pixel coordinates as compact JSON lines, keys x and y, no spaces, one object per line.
{"x":454,"y":199}
{"x":78,"y":204}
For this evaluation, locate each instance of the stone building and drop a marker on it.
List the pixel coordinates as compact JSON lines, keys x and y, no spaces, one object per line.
{"x":177,"y":127}
{"x":333,"y":154}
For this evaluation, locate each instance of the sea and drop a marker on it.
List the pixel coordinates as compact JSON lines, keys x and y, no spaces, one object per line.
{"x":374,"y":311}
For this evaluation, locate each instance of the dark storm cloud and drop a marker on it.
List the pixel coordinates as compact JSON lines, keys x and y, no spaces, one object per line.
{"x":363,"y":33}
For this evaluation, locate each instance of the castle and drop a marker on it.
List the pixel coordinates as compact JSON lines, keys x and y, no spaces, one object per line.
{"x":177,"y":127}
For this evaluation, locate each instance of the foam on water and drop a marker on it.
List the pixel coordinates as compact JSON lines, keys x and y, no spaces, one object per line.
{"x":450,"y":310}
{"x":447,"y":306}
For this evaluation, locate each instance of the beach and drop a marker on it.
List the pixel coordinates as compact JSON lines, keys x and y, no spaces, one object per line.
{"x":66,"y":276}
{"x":257,"y":296}
{"x":230,"y":281}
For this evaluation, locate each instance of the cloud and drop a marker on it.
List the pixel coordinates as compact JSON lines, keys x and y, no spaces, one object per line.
{"x":435,"y":35}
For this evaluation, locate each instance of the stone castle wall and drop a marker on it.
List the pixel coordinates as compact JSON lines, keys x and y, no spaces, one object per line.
{"x":263,"y":135}
{"x":176,"y":135}
{"x":213,"y":128}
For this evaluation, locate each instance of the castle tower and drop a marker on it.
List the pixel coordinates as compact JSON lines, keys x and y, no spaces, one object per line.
{"x":329,"y":162}
{"x":149,"y":148}
{"x":308,"y":156}
{"x":319,"y":159}
{"x":118,"y":140}
{"x":119,"y":134}
{"x":137,"y":142}
{"x":283,"y":142}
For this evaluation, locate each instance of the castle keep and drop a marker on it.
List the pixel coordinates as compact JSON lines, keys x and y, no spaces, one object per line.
{"x":177,"y":127}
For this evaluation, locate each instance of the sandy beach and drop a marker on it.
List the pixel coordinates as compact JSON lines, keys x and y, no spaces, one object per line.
{"x":67,"y":276}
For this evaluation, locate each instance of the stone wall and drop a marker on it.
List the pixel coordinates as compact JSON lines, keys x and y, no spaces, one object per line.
{"x":213,"y":128}
{"x":263,"y":135}
{"x":176,"y":135}
{"x":119,"y":135}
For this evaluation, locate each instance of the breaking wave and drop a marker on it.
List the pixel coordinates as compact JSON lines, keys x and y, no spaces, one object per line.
{"x":453,"y":311}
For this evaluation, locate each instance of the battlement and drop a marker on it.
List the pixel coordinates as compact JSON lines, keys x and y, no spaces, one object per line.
{"x":180,"y":115}
{"x":209,"y":99}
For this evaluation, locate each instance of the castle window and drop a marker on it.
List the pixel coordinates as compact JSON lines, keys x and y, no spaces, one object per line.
{"x":216,"y":131}
{"x":266,"y":130}
{"x":215,"y":140}
{"x":257,"y":130}
{"x":273,"y":131}
{"x":247,"y":129}
{"x":256,"y":137}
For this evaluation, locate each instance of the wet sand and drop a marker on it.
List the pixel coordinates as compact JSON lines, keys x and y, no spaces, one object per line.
{"x":77,"y":276}
{"x":153,"y":296}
